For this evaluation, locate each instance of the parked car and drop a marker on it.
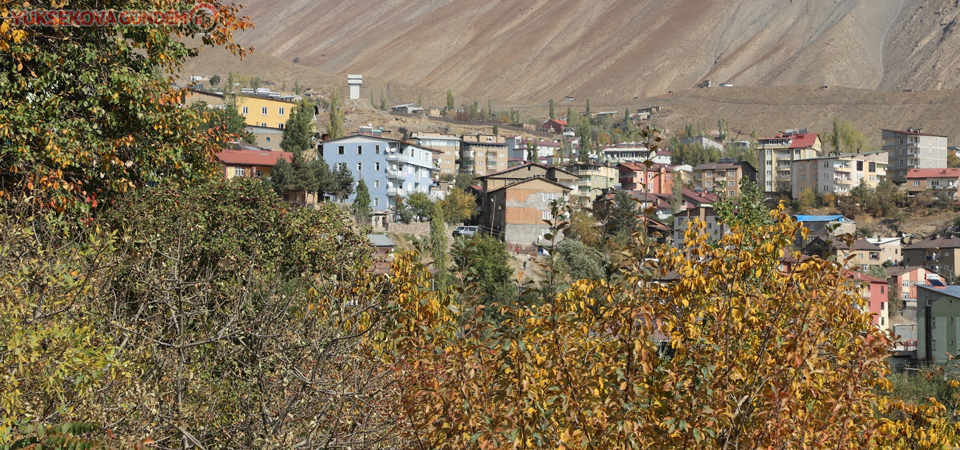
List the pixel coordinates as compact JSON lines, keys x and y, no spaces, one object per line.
{"x":466,"y":231}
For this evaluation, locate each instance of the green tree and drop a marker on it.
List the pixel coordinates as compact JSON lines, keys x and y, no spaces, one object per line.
{"x":578,"y":261}
{"x":532,"y":150}
{"x":552,"y":114}
{"x":335,"y":129}
{"x":361,"y":203}
{"x":676,"y":196}
{"x":952,"y":160}
{"x":450,"y":104}
{"x":588,"y":109}
{"x":256,"y":82}
{"x":298,"y":131}
{"x":845,"y":138}
{"x":341,"y":185}
{"x":214,"y":80}
{"x":227,"y":121}
{"x":496,"y":130}
{"x":420,"y":205}
{"x":807,"y":200}
{"x":622,"y":213}
{"x":482,"y":260}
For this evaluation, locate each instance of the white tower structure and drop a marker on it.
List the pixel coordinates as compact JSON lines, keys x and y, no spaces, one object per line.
{"x":354,"y":81}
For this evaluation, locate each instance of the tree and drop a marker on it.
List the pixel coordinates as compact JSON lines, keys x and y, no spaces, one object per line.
{"x":361,"y":203}
{"x":532,"y":150}
{"x":225,"y":121}
{"x":894,"y":299}
{"x":807,"y":200}
{"x":736,"y":354}
{"x":952,"y":160}
{"x":579,"y":262}
{"x":438,"y":243}
{"x":676,"y":197}
{"x":458,"y":206}
{"x":335,"y":129}
{"x":256,"y":82}
{"x":298,"y":131}
{"x":621,"y":214}
{"x":482,"y":259}
{"x":420,"y":205}
{"x":496,"y":130}
{"x":341,"y":185}
{"x":77,"y":134}
{"x":214,"y":80}
{"x":229,"y":309}
{"x":552,"y":114}
{"x":588,"y":109}
{"x":450,"y":104}
{"x":845,"y":138}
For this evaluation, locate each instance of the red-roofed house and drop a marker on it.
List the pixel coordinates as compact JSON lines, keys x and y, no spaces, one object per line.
{"x":554,"y":125}
{"x":944,"y":180}
{"x":250,"y":163}
{"x":776,"y":155}
{"x":656,"y":179}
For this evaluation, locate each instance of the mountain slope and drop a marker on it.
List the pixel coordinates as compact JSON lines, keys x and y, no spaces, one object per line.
{"x":607,"y":49}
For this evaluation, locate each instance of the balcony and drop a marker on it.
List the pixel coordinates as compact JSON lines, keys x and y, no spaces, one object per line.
{"x":396,"y":174}
{"x":395,"y":191}
{"x":393,"y":156}
{"x":842,"y":181}
{"x":844,"y":169}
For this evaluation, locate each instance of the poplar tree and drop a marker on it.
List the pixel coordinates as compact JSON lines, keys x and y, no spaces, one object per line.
{"x":335,"y":130}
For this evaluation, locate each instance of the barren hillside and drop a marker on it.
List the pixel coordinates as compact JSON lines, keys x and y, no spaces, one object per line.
{"x":614,"y":49}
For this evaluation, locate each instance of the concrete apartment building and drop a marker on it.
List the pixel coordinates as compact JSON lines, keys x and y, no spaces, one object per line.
{"x":776,"y":155}
{"x":595,"y":178}
{"x":913,"y":149}
{"x":838,"y":174}
{"x":907,"y":279}
{"x":656,"y":179}
{"x":481,"y":154}
{"x":723,"y":176}
{"x":447,"y":144}
{"x":938,"y":327}
{"x":517,"y":211}
{"x":389,"y":167}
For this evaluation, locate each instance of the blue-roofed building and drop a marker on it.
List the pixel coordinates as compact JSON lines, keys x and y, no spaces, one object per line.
{"x":390,"y":168}
{"x":829,"y":225}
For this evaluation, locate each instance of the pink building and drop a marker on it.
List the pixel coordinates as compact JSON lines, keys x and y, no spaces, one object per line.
{"x":656,"y":179}
{"x":874,"y":291}
{"x":907,"y":278}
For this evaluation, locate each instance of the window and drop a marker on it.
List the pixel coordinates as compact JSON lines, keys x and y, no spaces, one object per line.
{"x":916,"y":182}
{"x":244,"y":110}
{"x":359,"y":166}
{"x":883,"y":289}
{"x":376,"y":166}
{"x":263,"y":111}
{"x":729,"y":193}
{"x":376,"y":184}
{"x":359,"y":150}
{"x":546,"y":215}
{"x":281,"y":126}
{"x":376,"y":149}
{"x":280,"y":111}
{"x":340,"y":150}
{"x":873,"y":167}
{"x":258,"y":173}
{"x":238,"y":171}
{"x":549,"y":196}
{"x":376,"y":201}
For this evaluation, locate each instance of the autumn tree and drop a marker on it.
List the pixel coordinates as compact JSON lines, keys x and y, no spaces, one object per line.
{"x":736,"y":353}
{"x":438,"y":243}
{"x":335,"y":129}
{"x":85,"y":114}
{"x":228,"y":122}
{"x":458,"y":206}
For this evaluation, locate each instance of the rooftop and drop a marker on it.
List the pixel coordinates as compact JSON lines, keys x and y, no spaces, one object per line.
{"x":948,"y":290}
{"x":912,"y":132}
{"x":252,"y":157}
{"x":933,"y":173}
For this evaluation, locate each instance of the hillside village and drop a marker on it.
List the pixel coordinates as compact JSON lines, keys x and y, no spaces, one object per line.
{"x":514,"y":174}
